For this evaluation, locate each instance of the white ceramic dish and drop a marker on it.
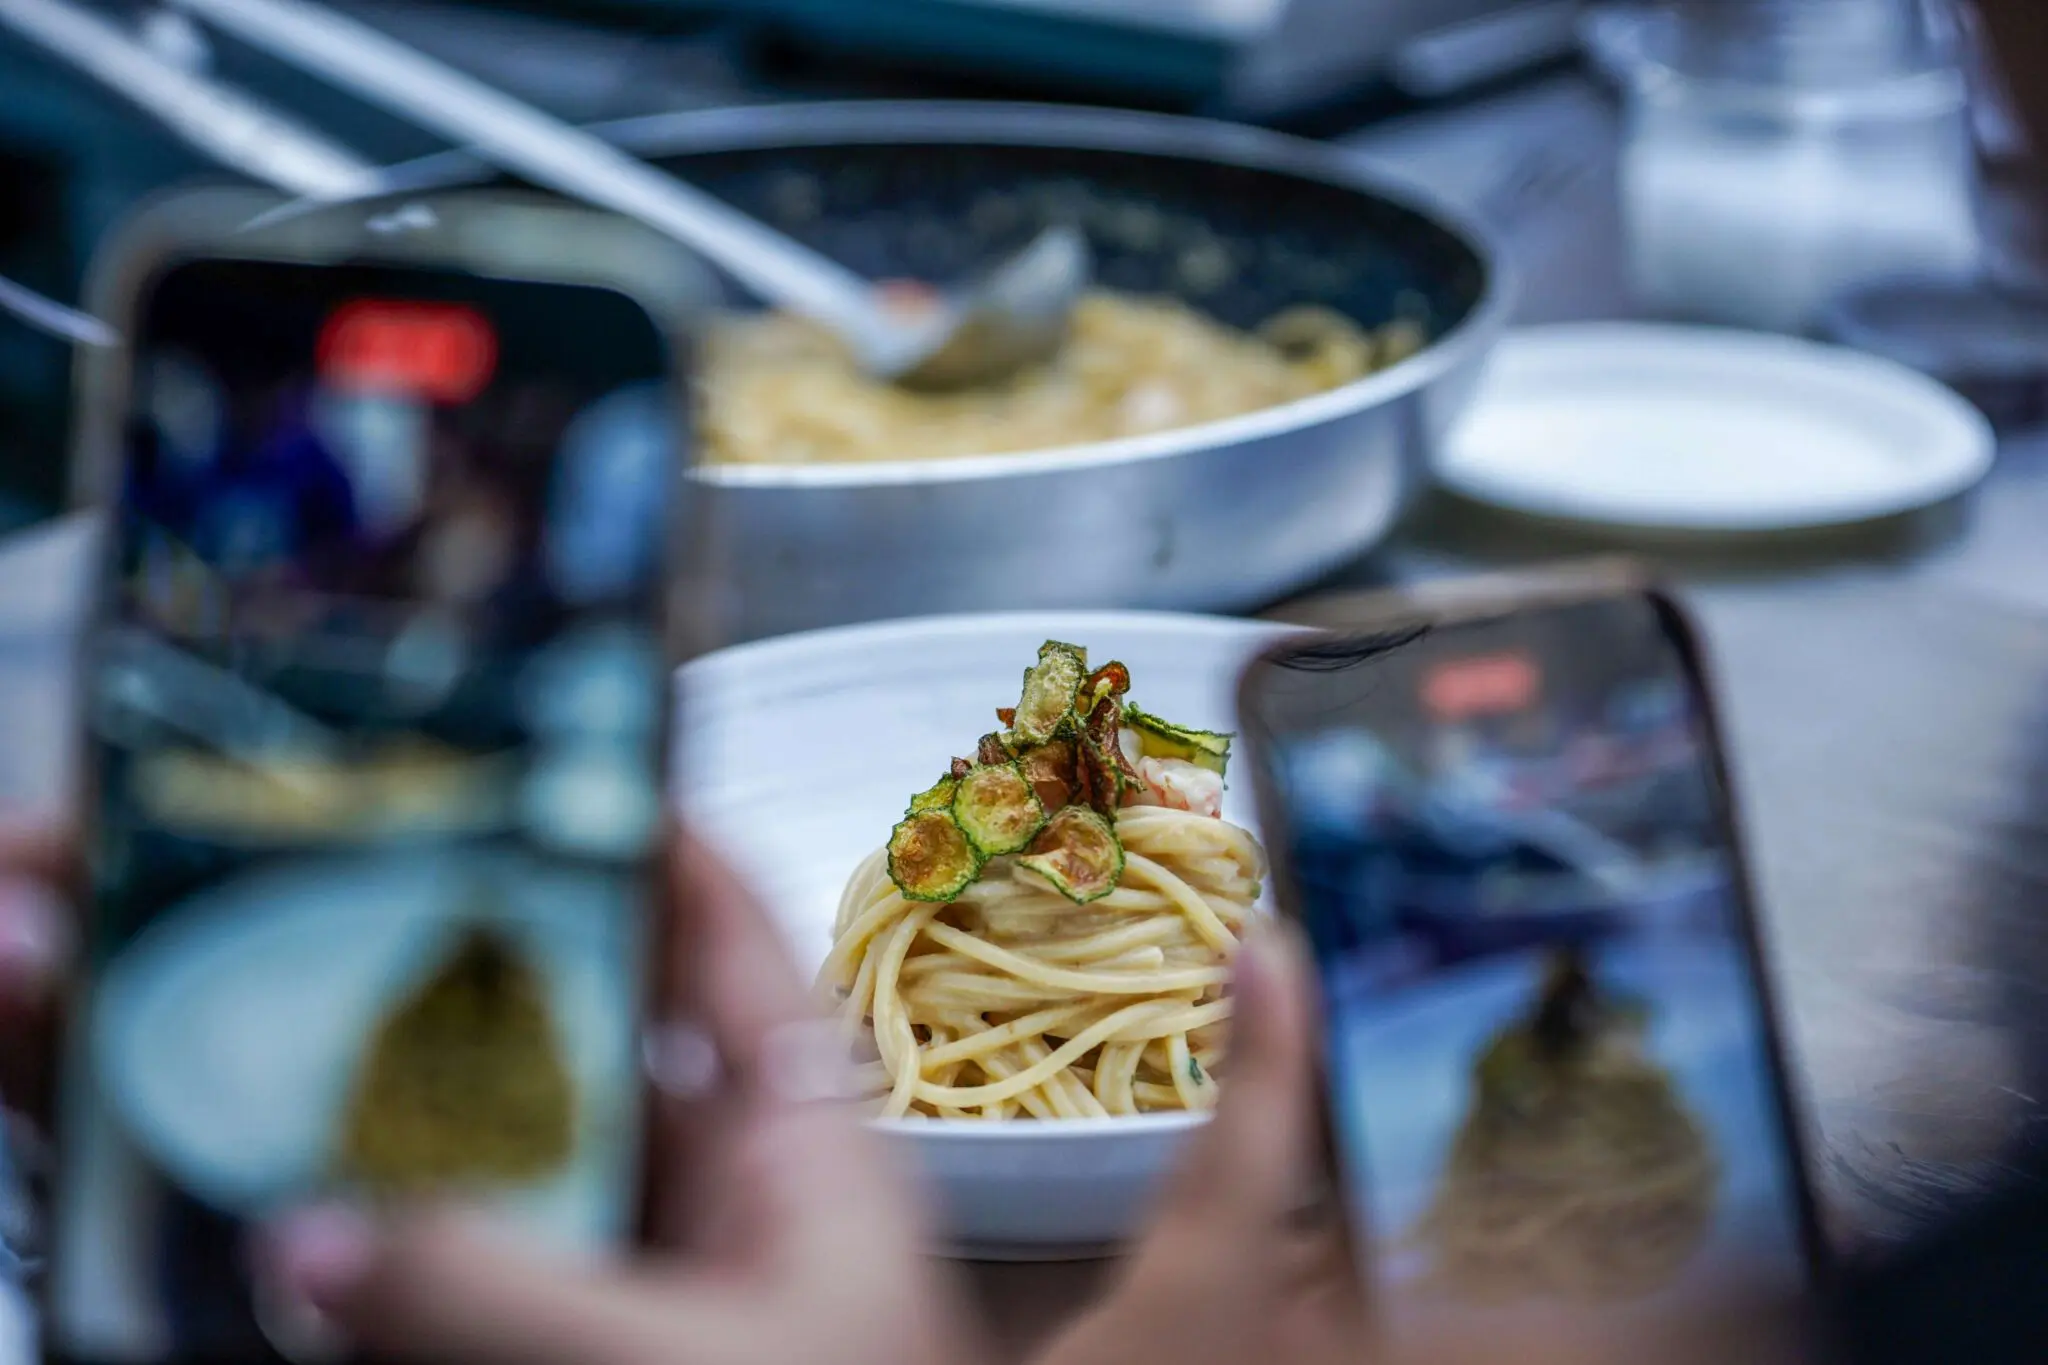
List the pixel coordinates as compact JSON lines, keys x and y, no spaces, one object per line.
{"x":1700,"y":429}
{"x":800,"y":753}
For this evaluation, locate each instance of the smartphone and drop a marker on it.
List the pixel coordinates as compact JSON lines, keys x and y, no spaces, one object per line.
{"x":1556,"y":1096}
{"x":376,"y":726}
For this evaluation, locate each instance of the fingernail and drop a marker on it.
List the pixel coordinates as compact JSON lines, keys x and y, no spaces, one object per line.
{"x":30,"y":937}
{"x":320,"y":1254}
{"x":682,"y":1061}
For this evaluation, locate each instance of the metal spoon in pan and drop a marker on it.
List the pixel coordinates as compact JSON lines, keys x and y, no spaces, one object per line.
{"x":1011,"y":317}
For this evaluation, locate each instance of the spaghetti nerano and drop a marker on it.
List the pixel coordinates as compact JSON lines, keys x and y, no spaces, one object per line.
{"x":1579,"y":1171}
{"x":1080,"y":968}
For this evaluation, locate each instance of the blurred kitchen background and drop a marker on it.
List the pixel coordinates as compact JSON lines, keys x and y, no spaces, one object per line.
{"x":1512,"y":106}
{"x":1595,"y":140}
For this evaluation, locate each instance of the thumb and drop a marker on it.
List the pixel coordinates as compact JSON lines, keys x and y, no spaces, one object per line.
{"x":1249,"y":1169}
{"x":438,"y":1286}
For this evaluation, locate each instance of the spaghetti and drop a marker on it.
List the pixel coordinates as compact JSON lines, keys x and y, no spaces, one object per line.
{"x":1080,"y":973}
{"x":777,"y":389}
{"x":1579,"y":1172}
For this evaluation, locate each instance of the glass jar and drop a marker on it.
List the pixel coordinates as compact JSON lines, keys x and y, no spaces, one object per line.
{"x":1779,"y":152}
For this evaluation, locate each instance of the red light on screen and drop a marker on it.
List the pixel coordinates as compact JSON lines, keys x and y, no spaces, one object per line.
{"x":439,"y":351}
{"x":1491,"y":685}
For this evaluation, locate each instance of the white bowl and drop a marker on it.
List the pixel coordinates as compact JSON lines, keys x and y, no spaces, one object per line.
{"x":799,"y":753}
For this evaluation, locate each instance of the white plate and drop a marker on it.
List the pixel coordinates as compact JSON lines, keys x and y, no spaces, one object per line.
{"x":799,"y":754}
{"x":226,"y":1034}
{"x":1698,"y":429}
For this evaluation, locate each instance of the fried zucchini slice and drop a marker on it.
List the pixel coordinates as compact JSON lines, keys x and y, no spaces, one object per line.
{"x":931,"y":857}
{"x":1078,"y":853}
{"x":1110,"y":680}
{"x":1163,"y":739}
{"x":1052,"y":769}
{"x":1108,"y":772}
{"x":1050,"y":688}
{"x":997,"y":809}
{"x":938,"y":796}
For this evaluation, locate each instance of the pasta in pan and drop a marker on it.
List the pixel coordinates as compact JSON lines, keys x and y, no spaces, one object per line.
{"x":1082,"y":971}
{"x":777,"y":389}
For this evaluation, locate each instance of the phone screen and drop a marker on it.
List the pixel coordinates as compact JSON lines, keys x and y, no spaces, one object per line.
{"x":375,"y":750}
{"x":1554,"y":1087}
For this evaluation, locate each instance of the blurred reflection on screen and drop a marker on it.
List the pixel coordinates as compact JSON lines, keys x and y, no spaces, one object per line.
{"x":377,"y":757}
{"x":1548,"y":1056}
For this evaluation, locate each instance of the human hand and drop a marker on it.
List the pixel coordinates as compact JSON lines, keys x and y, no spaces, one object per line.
{"x":1238,"y":1268}
{"x":789,"y":1234}
{"x":1234,"y":1268}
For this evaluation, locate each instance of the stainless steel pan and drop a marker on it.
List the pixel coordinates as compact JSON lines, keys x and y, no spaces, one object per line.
{"x":1241,"y":223}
